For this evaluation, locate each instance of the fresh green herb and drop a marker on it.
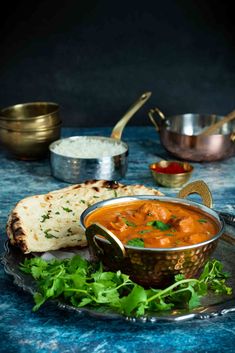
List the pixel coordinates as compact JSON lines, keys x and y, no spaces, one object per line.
{"x":82,"y":201}
{"x":45,"y":216}
{"x":57,"y":212}
{"x":48,"y":234}
{"x":67,"y":201}
{"x":66,"y":209}
{"x":136,"y":242}
{"x":79,"y":283}
{"x":177,"y":242}
{"x":128,"y":223}
{"x":169,"y":234}
{"x":96,"y":197}
{"x":69,"y":230}
{"x":115,"y":193}
{"x":202,"y":220}
{"x":173,"y":216}
{"x":159,"y":225}
{"x":144,"y":231}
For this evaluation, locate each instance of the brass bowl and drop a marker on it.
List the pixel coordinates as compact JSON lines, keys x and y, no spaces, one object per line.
{"x":153,"y":267}
{"x":171,"y":180}
{"x":30,"y":116}
{"x":29,"y":145}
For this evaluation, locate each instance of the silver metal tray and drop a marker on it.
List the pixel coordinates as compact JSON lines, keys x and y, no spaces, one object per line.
{"x":211,"y":306}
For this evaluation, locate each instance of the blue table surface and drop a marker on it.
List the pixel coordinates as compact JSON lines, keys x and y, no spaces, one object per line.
{"x":54,"y":330}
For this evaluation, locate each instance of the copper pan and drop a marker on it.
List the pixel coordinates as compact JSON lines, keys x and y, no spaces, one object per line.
{"x":181,"y":135}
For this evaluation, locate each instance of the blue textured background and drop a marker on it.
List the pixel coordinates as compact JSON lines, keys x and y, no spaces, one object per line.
{"x":52,"y":330}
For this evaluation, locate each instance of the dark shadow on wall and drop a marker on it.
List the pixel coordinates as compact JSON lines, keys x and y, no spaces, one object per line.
{"x":96,"y":57}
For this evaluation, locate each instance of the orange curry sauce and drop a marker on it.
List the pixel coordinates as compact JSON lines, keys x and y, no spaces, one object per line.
{"x":155,"y":224}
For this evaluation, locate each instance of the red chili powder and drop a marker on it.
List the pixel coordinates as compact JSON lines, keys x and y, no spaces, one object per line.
{"x":172,"y":168}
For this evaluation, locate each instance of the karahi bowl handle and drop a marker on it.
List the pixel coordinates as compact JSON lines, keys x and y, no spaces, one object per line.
{"x":97,"y":229}
{"x":198,"y":187}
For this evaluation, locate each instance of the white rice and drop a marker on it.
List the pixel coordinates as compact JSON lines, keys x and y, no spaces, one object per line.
{"x":88,"y":147}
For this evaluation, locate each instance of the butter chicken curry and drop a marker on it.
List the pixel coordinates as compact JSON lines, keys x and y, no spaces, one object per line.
{"x":155,"y":224}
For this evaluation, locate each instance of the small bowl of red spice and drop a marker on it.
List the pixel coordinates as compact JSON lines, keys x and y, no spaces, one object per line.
{"x":171,"y":174}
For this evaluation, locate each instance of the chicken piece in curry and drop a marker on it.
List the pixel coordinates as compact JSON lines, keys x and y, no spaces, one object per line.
{"x":155,"y":224}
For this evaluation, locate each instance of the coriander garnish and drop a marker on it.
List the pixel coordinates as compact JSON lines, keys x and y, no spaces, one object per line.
{"x":66,"y":209}
{"x":128,"y":223}
{"x":69,"y":230}
{"x":159,"y":225}
{"x":144,"y":231}
{"x":49,"y":235}
{"x":45,"y":216}
{"x":138,"y":242}
{"x":202,"y":220}
{"x":96,"y":287}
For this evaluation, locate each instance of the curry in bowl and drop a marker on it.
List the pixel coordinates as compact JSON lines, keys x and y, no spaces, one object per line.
{"x":155,"y":223}
{"x":154,"y":238}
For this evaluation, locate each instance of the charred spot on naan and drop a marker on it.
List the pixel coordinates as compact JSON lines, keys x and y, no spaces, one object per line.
{"x":21,"y":243}
{"x":92,"y":181}
{"x":16,"y":233}
{"x":111,"y":184}
{"x":48,"y":197}
{"x":78,"y":186}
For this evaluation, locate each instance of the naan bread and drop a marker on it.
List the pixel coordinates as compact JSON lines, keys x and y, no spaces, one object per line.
{"x":52,"y":221}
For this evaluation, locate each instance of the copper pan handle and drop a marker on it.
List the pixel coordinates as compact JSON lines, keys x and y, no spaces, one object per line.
{"x":97,"y":229}
{"x":156,"y":123}
{"x":198,"y":187}
{"x":118,"y":128}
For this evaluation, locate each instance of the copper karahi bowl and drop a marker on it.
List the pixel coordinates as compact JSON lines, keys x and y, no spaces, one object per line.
{"x":181,"y":136}
{"x":153,"y":267}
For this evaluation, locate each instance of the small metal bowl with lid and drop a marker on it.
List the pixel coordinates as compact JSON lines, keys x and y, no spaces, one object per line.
{"x":155,"y":266}
{"x":79,"y":158}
